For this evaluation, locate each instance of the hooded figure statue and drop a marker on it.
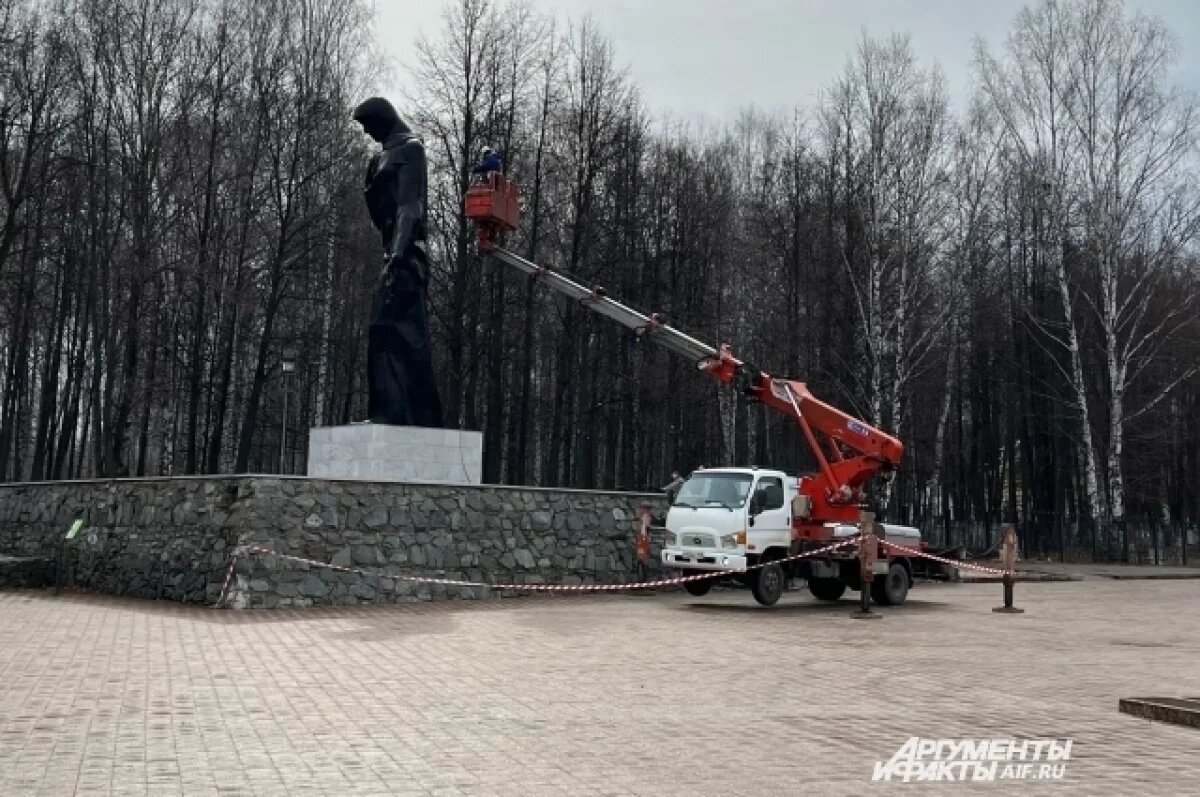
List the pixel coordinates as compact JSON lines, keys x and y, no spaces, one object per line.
{"x":401,"y":388}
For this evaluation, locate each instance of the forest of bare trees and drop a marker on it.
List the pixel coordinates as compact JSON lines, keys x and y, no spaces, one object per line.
{"x":1007,"y":283}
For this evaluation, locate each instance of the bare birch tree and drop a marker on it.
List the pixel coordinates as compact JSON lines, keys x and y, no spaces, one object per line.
{"x":892,"y":117}
{"x":1030,"y":94}
{"x":1135,"y":139}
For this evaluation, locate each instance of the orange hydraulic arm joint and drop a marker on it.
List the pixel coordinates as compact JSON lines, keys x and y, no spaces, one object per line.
{"x":857,"y":450}
{"x":836,"y":490}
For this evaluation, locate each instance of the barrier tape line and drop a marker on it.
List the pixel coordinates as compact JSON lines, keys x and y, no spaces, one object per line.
{"x":258,"y":549}
{"x":228,"y":577}
{"x":952,"y":562}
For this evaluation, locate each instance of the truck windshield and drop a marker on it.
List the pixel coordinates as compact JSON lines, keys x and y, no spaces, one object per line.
{"x":707,"y":489}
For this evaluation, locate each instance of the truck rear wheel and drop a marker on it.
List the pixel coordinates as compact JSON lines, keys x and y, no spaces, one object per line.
{"x":891,"y":589}
{"x":767,"y":585}
{"x":826,"y":589}
{"x":699,"y":587}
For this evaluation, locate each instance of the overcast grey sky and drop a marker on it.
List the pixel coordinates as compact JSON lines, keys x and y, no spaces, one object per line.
{"x":709,"y":58}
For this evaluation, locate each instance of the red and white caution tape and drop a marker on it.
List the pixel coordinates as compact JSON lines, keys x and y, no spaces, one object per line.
{"x":228,"y":577}
{"x":952,"y":562}
{"x":257,"y":549}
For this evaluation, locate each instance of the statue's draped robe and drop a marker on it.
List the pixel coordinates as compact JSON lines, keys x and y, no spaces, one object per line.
{"x":402,"y":390}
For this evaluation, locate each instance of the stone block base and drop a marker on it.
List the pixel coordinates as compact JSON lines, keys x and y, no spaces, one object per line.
{"x":373,"y":452}
{"x":1180,"y":711}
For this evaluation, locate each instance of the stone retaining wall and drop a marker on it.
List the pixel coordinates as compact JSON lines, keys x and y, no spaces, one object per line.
{"x":25,"y":572}
{"x":173,"y":538}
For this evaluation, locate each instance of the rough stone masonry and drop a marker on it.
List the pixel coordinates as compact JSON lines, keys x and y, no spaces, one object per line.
{"x":173,"y":538}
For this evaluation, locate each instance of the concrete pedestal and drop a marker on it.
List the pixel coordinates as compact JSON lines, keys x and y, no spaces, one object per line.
{"x":395,"y":453}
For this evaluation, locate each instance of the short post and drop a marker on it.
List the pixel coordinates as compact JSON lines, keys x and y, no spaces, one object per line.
{"x":59,"y":560}
{"x":58,"y":566}
{"x":1008,"y":558}
{"x":642,"y":542}
{"x":868,"y":547}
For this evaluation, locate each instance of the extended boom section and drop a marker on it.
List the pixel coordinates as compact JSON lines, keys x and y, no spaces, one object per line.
{"x":647,"y":326}
{"x":847,"y":450}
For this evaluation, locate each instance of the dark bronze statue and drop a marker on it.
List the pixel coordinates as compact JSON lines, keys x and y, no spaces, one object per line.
{"x":401,"y":387}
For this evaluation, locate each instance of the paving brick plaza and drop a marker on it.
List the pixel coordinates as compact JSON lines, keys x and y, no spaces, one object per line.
{"x":583,"y":695}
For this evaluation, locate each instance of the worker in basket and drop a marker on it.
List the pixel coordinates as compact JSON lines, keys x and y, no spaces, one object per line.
{"x":489,"y":163}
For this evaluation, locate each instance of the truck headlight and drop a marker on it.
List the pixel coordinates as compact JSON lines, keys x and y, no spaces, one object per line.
{"x":670,"y":538}
{"x":733,"y":540}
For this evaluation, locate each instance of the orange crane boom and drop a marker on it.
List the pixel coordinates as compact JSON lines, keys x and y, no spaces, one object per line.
{"x":856,"y":450}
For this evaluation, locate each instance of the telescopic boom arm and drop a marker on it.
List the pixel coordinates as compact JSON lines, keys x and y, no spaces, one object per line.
{"x":836,"y":490}
{"x":646,"y":326}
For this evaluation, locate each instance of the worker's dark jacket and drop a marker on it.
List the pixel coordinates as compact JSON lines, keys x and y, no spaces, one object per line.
{"x":490,"y":163}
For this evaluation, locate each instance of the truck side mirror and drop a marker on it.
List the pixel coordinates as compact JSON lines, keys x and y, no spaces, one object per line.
{"x":755,"y":504}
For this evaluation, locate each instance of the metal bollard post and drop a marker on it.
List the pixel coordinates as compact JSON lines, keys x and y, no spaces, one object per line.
{"x":59,"y":567}
{"x":642,"y":545}
{"x":868,"y":547}
{"x":60,"y":564}
{"x":1008,"y":555}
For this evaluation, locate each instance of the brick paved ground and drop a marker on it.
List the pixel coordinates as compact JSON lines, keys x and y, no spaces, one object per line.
{"x":1114,"y":570}
{"x":1035,"y":571}
{"x":586,"y":695}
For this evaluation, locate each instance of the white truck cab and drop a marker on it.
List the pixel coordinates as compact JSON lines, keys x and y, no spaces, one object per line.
{"x":728,"y":519}
{"x":710,"y":525}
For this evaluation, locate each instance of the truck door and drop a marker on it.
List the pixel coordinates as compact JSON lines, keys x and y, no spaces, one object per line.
{"x":773,"y":514}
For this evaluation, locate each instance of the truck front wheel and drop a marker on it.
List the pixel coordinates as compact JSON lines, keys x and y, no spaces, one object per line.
{"x":698,"y":588}
{"x":891,"y":589}
{"x":767,"y":585}
{"x":826,"y":589}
